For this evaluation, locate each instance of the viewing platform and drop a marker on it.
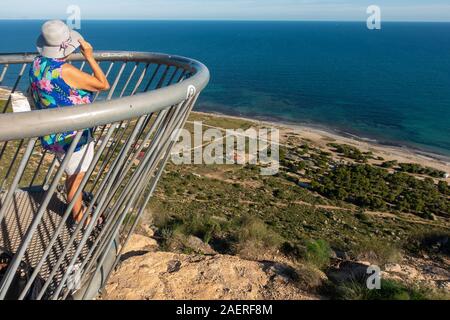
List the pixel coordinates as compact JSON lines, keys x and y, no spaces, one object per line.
{"x":43,"y":256}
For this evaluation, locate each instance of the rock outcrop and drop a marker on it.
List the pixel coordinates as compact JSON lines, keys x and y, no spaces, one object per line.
{"x":145,"y":274}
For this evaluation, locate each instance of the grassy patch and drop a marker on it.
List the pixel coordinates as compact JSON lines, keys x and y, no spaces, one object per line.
{"x":390,"y":290}
{"x":436,"y":243}
{"x":318,"y":253}
{"x":254,"y":235}
{"x":227,"y":194}
{"x":221,"y":122}
{"x":377,"y":252}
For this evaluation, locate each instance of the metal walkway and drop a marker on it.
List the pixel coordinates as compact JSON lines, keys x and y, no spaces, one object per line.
{"x":17,"y":220}
{"x":135,"y":126}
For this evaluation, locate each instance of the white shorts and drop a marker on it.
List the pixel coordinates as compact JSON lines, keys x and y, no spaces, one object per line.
{"x":80,"y":160}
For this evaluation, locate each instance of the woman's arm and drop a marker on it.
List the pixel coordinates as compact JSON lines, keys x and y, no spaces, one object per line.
{"x":81,"y":80}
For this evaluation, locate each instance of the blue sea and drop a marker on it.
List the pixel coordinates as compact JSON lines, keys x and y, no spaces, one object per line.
{"x":390,"y":85}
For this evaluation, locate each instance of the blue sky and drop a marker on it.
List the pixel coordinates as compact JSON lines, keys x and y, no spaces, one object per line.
{"x":398,"y":10}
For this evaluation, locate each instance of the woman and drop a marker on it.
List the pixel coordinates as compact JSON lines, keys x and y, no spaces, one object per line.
{"x":58,"y":84}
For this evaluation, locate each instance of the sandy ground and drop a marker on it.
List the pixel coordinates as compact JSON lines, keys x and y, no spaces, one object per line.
{"x":4,"y":94}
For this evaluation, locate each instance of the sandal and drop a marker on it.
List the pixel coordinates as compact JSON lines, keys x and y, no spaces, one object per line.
{"x":88,"y":197}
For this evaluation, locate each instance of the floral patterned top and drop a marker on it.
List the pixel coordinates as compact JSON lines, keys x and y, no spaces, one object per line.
{"x":49,"y":90}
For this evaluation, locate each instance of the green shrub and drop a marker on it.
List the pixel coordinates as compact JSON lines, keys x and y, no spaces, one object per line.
{"x":351,"y":152}
{"x":293,"y":250}
{"x":363,"y":217}
{"x":378,"y":252}
{"x":389,"y":164}
{"x":254,"y":230}
{"x":431,"y":242}
{"x":200,"y":226}
{"x":318,"y":253}
{"x":390,"y":290}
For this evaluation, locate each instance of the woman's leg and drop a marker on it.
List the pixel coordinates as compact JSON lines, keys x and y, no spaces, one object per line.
{"x":76,"y":170}
{"x":72,"y":184}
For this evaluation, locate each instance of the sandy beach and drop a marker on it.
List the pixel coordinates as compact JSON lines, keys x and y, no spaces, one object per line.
{"x":320,"y":137}
{"x":4,"y":94}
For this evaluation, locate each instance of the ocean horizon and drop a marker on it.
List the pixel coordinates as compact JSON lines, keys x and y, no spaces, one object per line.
{"x":390,"y":85}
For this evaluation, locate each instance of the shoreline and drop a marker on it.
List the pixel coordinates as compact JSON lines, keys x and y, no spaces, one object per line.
{"x":321,"y":135}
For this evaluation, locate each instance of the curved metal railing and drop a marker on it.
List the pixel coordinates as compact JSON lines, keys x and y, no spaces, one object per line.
{"x":41,"y":257}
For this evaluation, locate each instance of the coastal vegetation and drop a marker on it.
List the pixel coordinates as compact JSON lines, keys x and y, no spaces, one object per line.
{"x":324,"y":202}
{"x":374,"y":188}
{"x":351,"y":152}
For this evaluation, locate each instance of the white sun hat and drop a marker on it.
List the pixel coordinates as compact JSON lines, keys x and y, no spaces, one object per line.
{"x":57,"y":40}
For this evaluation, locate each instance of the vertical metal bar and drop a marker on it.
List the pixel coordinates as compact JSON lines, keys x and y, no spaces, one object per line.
{"x":49,"y":174}
{"x":17,"y":177}
{"x":142,"y":145}
{"x":181,"y":77}
{"x":9,"y":275}
{"x":100,"y":135}
{"x":128,"y":80}
{"x":152,"y":149}
{"x":105,"y":229}
{"x":116,"y":81}
{"x":143,"y":181}
{"x":36,"y":172}
{"x":172,"y":76}
{"x":8,"y":172}
{"x":2,"y":76}
{"x":158,"y":86}
{"x":163,"y":77}
{"x":152,"y":78}
{"x":109,"y":156}
{"x":186,"y":116}
{"x":16,"y":84}
{"x":69,"y":208}
{"x":111,"y":91}
{"x":181,"y":125}
{"x":107,"y":74}
{"x":141,"y":78}
{"x":107,"y":183}
{"x":150,"y":157}
{"x":96,"y":213}
{"x":5,"y":144}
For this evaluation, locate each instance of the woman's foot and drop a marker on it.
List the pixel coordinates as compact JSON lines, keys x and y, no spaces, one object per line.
{"x":88,"y":197}
{"x":79,"y":218}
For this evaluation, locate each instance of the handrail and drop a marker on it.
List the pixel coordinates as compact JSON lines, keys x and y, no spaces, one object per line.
{"x":43,"y":122}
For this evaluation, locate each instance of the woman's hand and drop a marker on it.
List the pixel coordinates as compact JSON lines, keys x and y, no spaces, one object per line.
{"x":81,"y":80}
{"x":86,"y":49}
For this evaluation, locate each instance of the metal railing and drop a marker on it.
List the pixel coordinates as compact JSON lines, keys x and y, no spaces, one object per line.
{"x":135,"y":125}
